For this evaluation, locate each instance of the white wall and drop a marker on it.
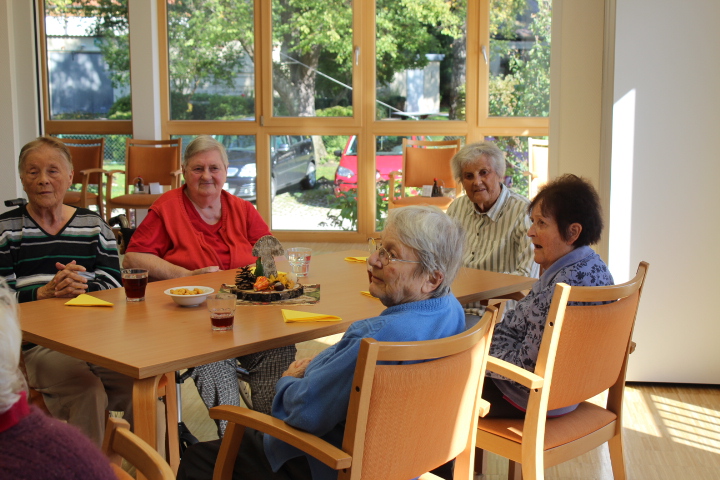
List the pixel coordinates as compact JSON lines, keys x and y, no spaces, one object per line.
{"x":19,"y":120}
{"x":666,"y":183}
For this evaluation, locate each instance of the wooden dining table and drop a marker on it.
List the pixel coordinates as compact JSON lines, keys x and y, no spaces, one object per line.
{"x":148,"y":339}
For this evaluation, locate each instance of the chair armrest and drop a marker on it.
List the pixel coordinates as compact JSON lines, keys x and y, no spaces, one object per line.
{"x":514,"y":373}
{"x":391,"y":185}
{"x":483,"y":406}
{"x":330,"y":455}
{"x":88,"y":171}
{"x":109,"y":174}
{"x":176,"y":177}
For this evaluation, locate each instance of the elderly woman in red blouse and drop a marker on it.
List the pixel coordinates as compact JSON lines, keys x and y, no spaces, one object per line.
{"x":200,"y":228}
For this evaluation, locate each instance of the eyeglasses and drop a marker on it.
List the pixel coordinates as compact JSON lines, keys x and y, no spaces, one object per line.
{"x":375,"y":245}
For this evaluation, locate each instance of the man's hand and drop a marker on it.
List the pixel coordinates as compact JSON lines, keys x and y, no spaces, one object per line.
{"x":297,"y":368}
{"x":67,"y":282}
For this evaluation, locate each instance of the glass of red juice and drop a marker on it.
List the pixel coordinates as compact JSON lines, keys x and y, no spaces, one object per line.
{"x":222,"y":311}
{"x":135,"y":280}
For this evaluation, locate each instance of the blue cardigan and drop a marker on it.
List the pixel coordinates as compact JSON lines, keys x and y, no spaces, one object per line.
{"x":318,"y":402}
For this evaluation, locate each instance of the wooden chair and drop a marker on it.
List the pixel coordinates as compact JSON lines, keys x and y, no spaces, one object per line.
{"x":155,"y":161}
{"x":402,"y":421}
{"x":166,"y":390}
{"x":584,"y":351}
{"x":87,"y":158}
{"x":121,"y":443}
{"x":424,"y":161}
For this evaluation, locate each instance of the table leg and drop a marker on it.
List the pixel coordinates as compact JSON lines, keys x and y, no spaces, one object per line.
{"x":145,"y":411}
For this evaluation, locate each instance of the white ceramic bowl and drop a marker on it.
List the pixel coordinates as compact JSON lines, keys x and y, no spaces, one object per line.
{"x":190,"y":300}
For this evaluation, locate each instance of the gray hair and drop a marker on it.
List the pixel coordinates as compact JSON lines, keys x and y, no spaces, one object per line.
{"x":11,"y":379}
{"x":41,"y":142}
{"x":437,"y":239}
{"x":472,"y":152}
{"x":202,"y":144}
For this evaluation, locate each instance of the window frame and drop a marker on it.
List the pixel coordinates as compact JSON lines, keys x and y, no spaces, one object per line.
{"x":476,"y":126}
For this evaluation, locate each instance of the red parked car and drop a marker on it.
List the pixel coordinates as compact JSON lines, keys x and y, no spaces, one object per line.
{"x":388,"y":158}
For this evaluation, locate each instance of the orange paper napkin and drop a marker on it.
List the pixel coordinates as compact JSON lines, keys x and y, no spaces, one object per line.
{"x":291,"y":316}
{"x":356,"y":259}
{"x":85,"y":300}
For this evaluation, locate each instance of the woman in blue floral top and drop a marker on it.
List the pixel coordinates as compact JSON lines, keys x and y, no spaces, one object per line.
{"x":566,"y":219}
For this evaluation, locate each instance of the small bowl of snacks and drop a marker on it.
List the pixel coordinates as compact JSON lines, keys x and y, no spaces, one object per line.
{"x":189,"y":296}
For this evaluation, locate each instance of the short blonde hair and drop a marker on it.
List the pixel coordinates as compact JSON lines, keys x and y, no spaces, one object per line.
{"x":201,"y":144}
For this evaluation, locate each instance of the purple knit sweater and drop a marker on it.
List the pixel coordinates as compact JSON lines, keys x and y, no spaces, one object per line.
{"x":41,"y":447}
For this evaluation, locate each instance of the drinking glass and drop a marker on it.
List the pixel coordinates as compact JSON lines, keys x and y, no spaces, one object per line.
{"x":222,"y":311}
{"x":299,"y":258}
{"x":135,"y":280}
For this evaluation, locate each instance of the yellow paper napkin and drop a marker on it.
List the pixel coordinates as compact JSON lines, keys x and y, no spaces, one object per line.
{"x":291,"y":316}
{"x":356,"y":259}
{"x":85,"y":300}
{"x":368,"y":294}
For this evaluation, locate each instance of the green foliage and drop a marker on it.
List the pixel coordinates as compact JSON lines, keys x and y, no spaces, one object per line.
{"x":346,"y":203}
{"x":205,"y":106}
{"x":121,"y":109}
{"x":516,"y":160}
{"x":524,"y":91}
{"x":77,"y":116}
{"x":334,"y":142}
{"x":207,"y":40}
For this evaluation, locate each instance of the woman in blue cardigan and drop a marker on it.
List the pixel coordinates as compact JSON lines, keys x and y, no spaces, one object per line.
{"x":410,"y":270}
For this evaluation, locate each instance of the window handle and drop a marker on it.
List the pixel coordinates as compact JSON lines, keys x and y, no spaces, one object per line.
{"x":485,"y":56}
{"x":357,"y":56}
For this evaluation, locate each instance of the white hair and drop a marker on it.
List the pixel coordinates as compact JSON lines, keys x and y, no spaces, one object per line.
{"x":438,"y":240}
{"x":11,"y":379}
{"x":471,"y":153}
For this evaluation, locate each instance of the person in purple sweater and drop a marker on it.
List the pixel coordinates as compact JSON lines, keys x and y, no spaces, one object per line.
{"x":33,"y":445}
{"x":410,"y":270}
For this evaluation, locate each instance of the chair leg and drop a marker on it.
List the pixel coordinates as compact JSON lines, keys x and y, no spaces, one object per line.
{"x":514,"y":471}
{"x":480,"y":461}
{"x":617,"y":458}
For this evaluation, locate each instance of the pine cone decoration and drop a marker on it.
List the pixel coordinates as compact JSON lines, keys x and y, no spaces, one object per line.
{"x":245,"y":279}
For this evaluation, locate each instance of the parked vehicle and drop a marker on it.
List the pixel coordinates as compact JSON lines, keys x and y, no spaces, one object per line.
{"x":292,"y":161}
{"x":388,"y":158}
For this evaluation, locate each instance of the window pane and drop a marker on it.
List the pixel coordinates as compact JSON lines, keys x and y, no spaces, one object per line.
{"x":211,"y":56}
{"x":88,"y":60}
{"x":388,"y":158}
{"x":519,"y":82}
{"x":242,"y":171}
{"x":526,"y":162}
{"x":420,"y":54}
{"x":303,"y":168}
{"x":312,"y":58}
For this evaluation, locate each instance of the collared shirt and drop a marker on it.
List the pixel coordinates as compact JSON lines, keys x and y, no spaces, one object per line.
{"x":497,"y":239}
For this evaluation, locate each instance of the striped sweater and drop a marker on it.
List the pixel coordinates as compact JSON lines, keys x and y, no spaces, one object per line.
{"x":28,"y":254}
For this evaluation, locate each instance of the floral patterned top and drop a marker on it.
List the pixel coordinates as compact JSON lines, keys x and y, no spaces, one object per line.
{"x":517,"y":339}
